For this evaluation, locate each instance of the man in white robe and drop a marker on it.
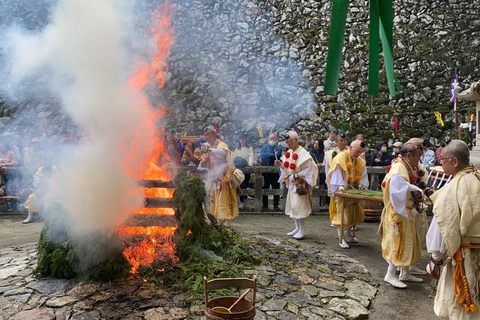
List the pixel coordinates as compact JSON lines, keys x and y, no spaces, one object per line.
{"x":453,"y":238}
{"x":297,"y":165}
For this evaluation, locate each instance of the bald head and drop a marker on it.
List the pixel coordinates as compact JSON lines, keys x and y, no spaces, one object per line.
{"x":356,"y":148}
{"x":412,"y":144}
{"x":293,"y":135}
{"x":459,"y":150}
{"x":292,"y":140}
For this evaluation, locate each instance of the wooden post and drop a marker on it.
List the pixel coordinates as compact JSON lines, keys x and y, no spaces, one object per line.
{"x":340,"y":208}
{"x":258,"y":191}
{"x":456,"y":117}
{"x":455,"y":110}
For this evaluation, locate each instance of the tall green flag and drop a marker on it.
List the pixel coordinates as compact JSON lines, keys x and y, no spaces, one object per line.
{"x":381,"y":28}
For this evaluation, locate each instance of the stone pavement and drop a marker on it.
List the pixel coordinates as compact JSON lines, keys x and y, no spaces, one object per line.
{"x":296,"y":282}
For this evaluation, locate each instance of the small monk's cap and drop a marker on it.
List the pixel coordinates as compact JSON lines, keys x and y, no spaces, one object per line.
{"x":398,"y":144}
{"x":209,"y":128}
{"x":35,"y":140}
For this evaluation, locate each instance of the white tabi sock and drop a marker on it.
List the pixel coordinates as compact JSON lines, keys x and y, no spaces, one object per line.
{"x":301,"y":229}
{"x":292,"y":233}
{"x":406,"y":276}
{"x":29,"y":218}
{"x":342,"y":244}
{"x":347,"y":235}
{"x":392,"y":279}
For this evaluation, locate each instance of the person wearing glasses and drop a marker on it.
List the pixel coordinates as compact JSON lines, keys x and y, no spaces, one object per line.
{"x":402,"y":198}
{"x":453,"y":239}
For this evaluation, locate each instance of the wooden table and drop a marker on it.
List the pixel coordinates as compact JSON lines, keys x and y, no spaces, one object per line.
{"x":340,"y":208}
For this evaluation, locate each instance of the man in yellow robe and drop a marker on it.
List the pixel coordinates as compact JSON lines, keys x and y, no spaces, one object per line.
{"x":217,"y":159}
{"x":347,"y":171}
{"x":40,"y":198}
{"x":297,"y":165}
{"x":341,"y":146}
{"x":454,"y":237}
{"x":421,"y":221}
{"x":400,"y":244}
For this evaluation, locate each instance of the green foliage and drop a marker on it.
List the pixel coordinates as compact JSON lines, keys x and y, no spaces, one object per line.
{"x":55,"y":259}
{"x":94,"y":256}
{"x":204,"y":249}
{"x":367,"y":193}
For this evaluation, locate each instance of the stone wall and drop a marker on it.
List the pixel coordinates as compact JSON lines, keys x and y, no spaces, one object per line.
{"x":234,"y":40}
{"x":237,"y":61}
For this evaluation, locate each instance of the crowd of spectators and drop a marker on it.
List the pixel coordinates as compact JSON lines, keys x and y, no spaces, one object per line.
{"x":322,"y":151}
{"x":20,"y":160}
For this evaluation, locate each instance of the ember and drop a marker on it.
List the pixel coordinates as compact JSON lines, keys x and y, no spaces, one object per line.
{"x":148,"y":235}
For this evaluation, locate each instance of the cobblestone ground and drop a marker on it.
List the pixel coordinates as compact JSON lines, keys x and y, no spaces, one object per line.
{"x":308,"y":279}
{"x":299,"y":283}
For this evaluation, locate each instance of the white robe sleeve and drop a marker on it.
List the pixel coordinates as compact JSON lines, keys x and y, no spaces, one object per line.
{"x":282,"y":173}
{"x":435,"y":244}
{"x":250,"y":156}
{"x":398,"y":192}
{"x":308,"y":172}
{"x":337,"y":180}
{"x":364,"y":183}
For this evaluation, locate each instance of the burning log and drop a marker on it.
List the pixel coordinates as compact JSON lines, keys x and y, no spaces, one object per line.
{"x":147,"y":220}
{"x":159,"y":203}
{"x":156,"y":184}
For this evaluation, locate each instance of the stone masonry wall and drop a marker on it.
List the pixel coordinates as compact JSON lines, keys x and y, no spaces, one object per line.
{"x":237,"y":61}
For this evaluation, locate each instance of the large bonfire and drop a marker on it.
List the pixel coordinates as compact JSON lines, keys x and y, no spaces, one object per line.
{"x":152,"y":242}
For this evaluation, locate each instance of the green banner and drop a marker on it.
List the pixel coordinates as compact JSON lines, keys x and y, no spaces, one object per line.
{"x":381,"y":28}
{"x":335,"y":45}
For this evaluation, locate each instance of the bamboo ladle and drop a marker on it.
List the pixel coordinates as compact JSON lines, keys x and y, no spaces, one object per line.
{"x":229,"y":310}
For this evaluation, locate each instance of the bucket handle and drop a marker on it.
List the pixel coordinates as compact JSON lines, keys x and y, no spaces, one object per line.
{"x":242,"y":283}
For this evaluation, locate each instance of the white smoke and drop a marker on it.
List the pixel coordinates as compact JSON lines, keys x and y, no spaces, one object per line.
{"x":87,"y":53}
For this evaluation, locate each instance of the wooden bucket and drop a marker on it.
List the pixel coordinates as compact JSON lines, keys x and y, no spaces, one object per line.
{"x":244,"y":310}
{"x":373,"y":210}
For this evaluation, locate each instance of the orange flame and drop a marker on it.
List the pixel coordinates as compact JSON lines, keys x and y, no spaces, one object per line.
{"x":146,"y":156}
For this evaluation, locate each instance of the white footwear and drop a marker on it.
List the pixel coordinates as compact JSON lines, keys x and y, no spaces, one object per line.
{"x":410,"y":278}
{"x":294,"y":231}
{"x":348,"y":236}
{"x":417,"y":271}
{"x":242,"y":205}
{"x":301,"y":229}
{"x":392,"y":280}
{"x":406,"y":276}
{"x":29,"y":218}
{"x":227,"y":223}
{"x":344,"y":245}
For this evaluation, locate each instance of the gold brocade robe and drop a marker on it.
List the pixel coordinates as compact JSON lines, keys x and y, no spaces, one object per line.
{"x":457,"y":211}
{"x":353,"y":211}
{"x":421,"y":220}
{"x":224,"y":197}
{"x":402,"y":249}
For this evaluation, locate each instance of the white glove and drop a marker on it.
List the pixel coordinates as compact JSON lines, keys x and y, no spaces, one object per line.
{"x":412,"y":188}
{"x":413,"y":214}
